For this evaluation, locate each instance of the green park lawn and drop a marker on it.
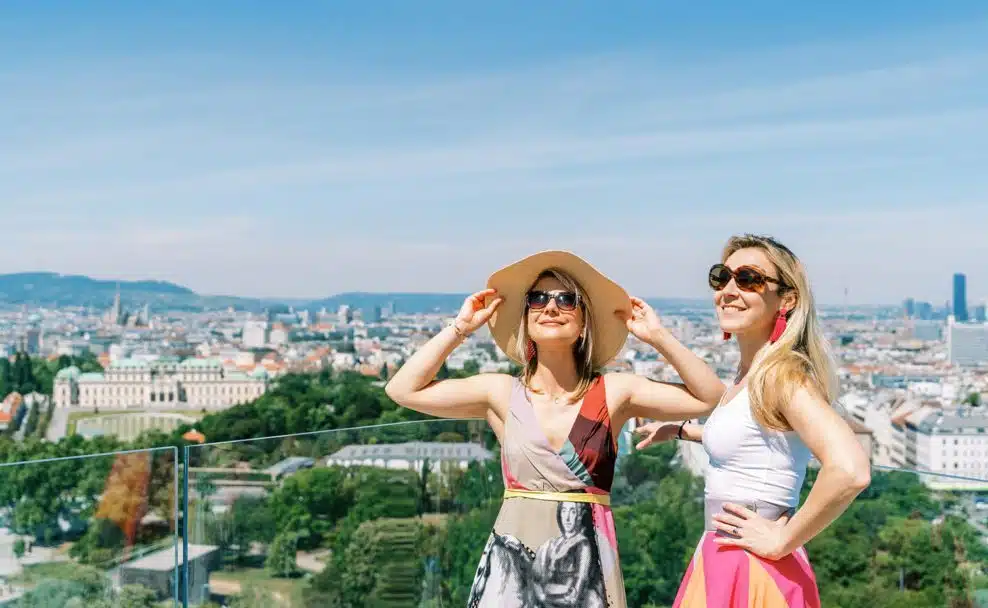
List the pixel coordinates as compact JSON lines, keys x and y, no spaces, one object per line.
{"x":75,"y":417}
{"x":288,"y":589}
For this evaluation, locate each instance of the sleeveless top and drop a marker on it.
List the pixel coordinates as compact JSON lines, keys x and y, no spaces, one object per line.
{"x":553,"y":552}
{"x":749,"y":462}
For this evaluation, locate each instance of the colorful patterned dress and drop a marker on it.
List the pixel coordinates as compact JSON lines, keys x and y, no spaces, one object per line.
{"x":553,"y":544}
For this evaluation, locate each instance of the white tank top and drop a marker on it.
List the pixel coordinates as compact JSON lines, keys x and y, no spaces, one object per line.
{"x":749,"y":462}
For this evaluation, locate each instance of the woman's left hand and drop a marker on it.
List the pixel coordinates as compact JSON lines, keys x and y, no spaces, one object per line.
{"x":752,"y":532}
{"x":643,"y":322}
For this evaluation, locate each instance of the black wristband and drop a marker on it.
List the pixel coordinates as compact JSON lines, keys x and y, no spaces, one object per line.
{"x":679,"y":433}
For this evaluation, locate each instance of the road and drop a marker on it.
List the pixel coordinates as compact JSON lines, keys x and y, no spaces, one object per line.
{"x":59,"y":426}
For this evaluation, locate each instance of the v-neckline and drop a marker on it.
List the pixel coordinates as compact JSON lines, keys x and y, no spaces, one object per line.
{"x":542,"y":433}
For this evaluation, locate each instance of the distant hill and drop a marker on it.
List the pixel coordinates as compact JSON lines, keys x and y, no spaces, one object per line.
{"x":404,"y":303}
{"x":451,"y":302}
{"x":54,"y":290}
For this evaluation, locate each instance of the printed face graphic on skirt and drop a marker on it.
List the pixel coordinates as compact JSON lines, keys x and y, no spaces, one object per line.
{"x":564,"y":571}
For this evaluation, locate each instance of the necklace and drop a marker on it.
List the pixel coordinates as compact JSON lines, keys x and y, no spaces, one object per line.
{"x":558,"y":399}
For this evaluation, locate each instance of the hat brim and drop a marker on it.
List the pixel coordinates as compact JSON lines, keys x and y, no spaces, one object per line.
{"x":605,"y":296}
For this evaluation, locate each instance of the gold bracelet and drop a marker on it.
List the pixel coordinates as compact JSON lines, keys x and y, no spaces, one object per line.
{"x":459,"y":332}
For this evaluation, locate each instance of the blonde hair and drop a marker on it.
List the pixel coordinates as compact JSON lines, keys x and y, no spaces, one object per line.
{"x":801,"y":357}
{"x":582,"y":350}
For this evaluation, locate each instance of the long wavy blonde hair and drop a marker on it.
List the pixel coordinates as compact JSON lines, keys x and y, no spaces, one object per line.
{"x":583,"y":348}
{"x":802,"y":356}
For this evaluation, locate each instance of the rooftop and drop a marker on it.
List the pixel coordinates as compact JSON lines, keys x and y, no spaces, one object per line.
{"x":68,"y":372}
{"x":961,"y":421}
{"x":165,"y":559}
{"x":289,"y":465}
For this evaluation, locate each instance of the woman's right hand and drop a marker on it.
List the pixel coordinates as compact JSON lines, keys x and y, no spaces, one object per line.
{"x":474,"y":313}
{"x":656,"y":432}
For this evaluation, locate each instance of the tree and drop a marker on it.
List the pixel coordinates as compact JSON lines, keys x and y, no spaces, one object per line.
{"x":310,"y":502}
{"x":23,"y":373}
{"x":282,"y":560}
{"x":464,"y":540}
{"x":136,"y":596}
{"x":973,"y":399}
{"x":250,"y":520}
{"x":471,"y":367}
{"x":79,"y":587}
{"x":102,"y":542}
{"x":19,"y":548}
{"x":325,"y":588}
{"x":33,"y":417}
{"x":383,"y":567}
{"x":657,"y":539}
{"x":6,"y":378}
{"x":480,"y":485}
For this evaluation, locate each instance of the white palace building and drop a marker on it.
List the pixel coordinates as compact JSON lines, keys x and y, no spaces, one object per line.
{"x":163,"y":384}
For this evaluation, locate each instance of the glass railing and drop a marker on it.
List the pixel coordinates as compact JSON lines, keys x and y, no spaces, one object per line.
{"x":387,"y":515}
{"x":90,"y":531}
{"x":399,"y":514}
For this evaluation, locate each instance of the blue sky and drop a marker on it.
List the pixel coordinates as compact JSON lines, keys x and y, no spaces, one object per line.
{"x":303,"y":149}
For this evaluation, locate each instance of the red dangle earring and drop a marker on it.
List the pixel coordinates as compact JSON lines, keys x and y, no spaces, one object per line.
{"x":727,"y":335}
{"x":530,"y":351}
{"x":780,"y":325}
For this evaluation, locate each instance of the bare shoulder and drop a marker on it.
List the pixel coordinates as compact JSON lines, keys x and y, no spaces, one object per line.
{"x":617,"y":386}
{"x":498,"y":388}
{"x":809,"y":412}
{"x":805,"y":398}
{"x":497,"y":383}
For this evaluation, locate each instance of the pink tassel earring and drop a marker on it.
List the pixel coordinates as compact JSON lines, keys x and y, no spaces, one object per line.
{"x":780,"y":325}
{"x":530,"y":351}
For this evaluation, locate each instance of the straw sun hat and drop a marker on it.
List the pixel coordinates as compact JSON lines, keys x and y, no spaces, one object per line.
{"x":512,"y":283}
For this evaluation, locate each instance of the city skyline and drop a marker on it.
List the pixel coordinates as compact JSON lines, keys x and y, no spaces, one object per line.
{"x":231,"y":151}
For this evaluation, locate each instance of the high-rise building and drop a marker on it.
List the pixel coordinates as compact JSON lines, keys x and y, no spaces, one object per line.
{"x":256,"y":334}
{"x":980,"y":313}
{"x":929,"y":331}
{"x":909,"y":308}
{"x":967,"y":344}
{"x":924,"y":311}
{"x":32,"y":341}
{"x":960,"y":298}
{"x":114,"y":316}
{"x":344,"y":314}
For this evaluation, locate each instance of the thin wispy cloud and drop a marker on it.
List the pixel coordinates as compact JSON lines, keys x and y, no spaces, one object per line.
{"x":378,"y":179}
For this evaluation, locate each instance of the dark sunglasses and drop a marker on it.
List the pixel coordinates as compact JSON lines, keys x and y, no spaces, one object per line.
{"x":746,"y":278}
{"x":565,"y":300}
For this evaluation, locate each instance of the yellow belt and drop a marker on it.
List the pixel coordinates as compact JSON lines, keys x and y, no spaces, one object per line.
{"x":599,"y":499}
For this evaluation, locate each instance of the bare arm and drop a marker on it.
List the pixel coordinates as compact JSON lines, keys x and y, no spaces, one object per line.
{"x":643,"y":322}
{"x":844,"y":473}
{"x":637,"y":397}
{"x":699,"y":378}
{"x":657,"y":432}
{"x":414,"y":385}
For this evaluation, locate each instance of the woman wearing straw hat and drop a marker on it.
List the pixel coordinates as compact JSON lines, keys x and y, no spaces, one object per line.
{"x":775,"y":417}
{"x":554,"y":542}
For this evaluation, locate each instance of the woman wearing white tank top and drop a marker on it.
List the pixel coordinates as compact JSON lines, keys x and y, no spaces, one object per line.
{"x":760,"y":438}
